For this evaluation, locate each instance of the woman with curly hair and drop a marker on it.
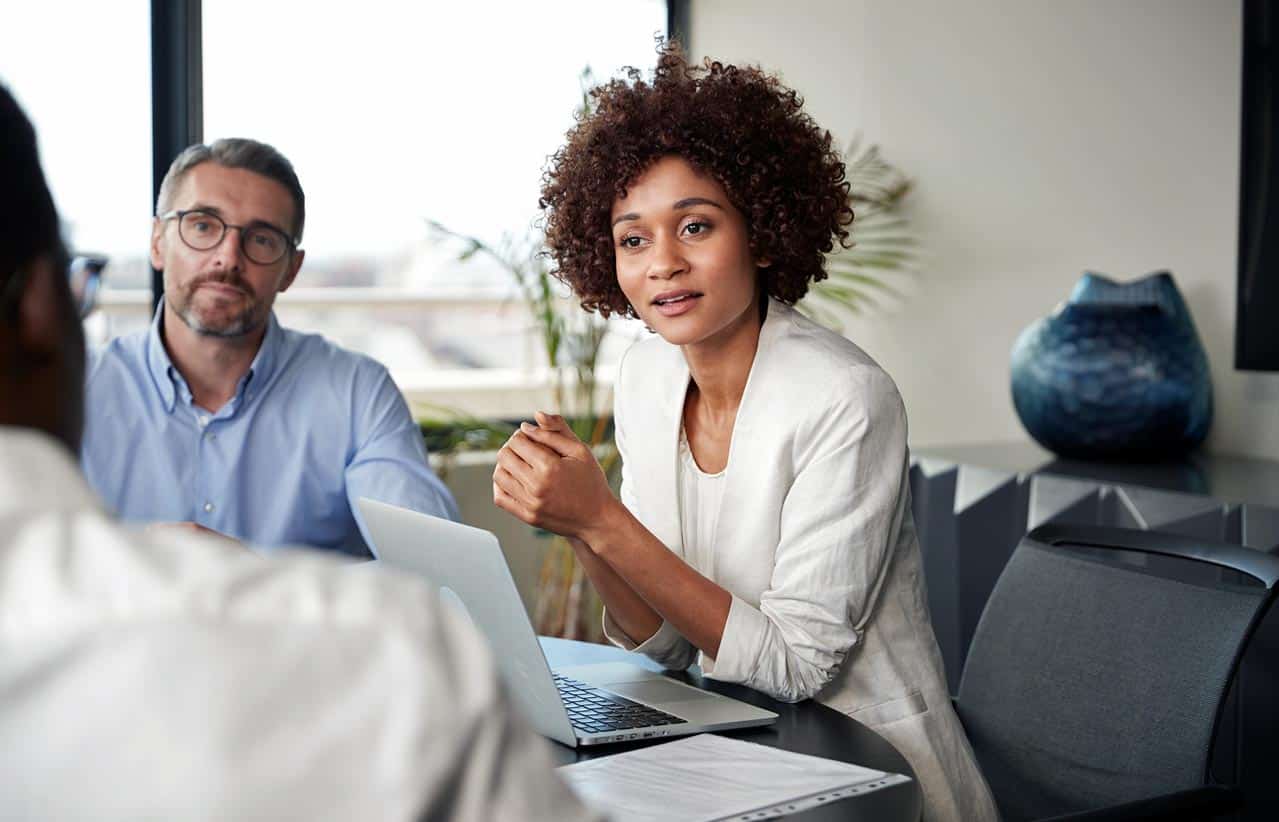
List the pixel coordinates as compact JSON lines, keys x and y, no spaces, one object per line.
{"x":764,"y":526}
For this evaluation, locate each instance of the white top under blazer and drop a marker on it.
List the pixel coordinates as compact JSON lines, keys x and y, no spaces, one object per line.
{"x":814,"y":540}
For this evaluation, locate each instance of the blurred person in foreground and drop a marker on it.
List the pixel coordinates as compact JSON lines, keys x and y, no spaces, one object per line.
{"x":171,"y":676}
{"x":219,"y":418}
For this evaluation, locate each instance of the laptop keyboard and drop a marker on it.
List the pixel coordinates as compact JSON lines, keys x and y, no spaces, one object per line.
{"x":592,"y":710}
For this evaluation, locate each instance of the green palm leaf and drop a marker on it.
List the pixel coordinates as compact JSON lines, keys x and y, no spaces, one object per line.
{"x":883,"y":246}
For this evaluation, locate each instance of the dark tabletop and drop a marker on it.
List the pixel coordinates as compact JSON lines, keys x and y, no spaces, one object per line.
{"x":806,"y":727}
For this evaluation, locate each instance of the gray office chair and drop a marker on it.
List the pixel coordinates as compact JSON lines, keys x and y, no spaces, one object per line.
{"x":1096,"y":679}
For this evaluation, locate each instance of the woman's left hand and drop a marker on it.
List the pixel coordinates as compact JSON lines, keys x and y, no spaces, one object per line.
{"x":548,"y":478}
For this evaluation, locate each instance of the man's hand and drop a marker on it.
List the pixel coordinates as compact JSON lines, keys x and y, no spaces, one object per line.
{"x":190,"y":528}
{"x":547,"y":477}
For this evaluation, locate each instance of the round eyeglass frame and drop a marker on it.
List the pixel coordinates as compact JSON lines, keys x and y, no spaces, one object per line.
{"x":84,"y":274}
{"x":290,"y":244}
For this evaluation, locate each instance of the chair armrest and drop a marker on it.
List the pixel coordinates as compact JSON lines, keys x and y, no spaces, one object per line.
{"x":1188,"y":806}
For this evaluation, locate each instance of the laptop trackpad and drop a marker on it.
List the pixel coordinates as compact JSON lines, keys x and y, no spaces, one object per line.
{"x":656,"y":691}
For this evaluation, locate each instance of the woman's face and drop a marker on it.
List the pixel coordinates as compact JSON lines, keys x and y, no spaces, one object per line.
{"x":683,"y":255}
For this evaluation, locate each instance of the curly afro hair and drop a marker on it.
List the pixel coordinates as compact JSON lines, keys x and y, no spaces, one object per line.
{"x":741,"y":126}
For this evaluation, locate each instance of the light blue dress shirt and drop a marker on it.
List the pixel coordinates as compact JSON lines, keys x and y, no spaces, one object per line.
{"x":311,"y":429}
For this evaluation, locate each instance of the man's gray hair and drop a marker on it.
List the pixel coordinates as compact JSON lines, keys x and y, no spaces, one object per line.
{"x":237,"y":152}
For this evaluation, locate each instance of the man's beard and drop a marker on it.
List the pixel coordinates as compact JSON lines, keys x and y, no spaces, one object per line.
{"x":245,"y":321}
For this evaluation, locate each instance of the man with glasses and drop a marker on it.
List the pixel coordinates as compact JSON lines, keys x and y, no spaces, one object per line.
{"x":217,"y":418}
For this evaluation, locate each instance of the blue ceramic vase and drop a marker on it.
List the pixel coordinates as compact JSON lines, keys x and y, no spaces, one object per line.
{"x":1115,"y":373}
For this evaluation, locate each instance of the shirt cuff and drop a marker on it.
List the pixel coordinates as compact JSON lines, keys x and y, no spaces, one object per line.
{"x":745,"y":632}
{"x":665,"y":647}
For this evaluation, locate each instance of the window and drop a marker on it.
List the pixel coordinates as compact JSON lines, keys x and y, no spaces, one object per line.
{"x":401,"y":114}
{"x":394,"y":115}
{"x":82,"y":72}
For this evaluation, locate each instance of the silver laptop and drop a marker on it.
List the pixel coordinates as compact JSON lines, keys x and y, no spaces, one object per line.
{"x":579,"y":705}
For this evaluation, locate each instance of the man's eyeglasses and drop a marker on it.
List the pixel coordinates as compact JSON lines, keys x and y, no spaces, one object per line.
{"x":203,"y":230}
{"x":84,"y":275}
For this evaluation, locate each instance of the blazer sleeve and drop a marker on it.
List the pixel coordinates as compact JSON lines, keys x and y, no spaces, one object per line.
{"x":839,"y":524}
{"x":667,"y":647}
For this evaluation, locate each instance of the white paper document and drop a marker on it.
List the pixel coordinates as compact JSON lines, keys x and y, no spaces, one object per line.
{"x":707,"y":777}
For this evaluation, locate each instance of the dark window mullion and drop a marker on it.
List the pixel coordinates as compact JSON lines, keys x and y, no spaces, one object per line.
{"x":177,"y":95}
{"x":677,"y":22}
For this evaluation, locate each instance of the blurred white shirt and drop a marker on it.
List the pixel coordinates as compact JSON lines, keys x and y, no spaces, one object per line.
{"x":174,"y":677}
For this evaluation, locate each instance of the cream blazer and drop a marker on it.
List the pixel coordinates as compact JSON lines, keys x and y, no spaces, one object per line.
{"x":814,"y":540}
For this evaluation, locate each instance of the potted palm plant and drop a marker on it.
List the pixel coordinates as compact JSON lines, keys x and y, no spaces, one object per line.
{"x":570,"y":342}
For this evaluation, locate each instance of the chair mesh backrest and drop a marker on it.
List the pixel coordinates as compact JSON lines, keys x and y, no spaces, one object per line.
{"x":1091,"y":683}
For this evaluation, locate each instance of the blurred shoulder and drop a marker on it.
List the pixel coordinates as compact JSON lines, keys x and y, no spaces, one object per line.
{"x":71,"y":567}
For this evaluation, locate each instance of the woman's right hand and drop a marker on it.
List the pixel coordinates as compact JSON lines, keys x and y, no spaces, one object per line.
{"x":547,"y":477}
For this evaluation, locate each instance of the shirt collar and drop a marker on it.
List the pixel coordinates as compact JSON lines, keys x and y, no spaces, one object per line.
{"x":267,"y":358}
{"x":163,"y":374}
{"x":168,"y":381}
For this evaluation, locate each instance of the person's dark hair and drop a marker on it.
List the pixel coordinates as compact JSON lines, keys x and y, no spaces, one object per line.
{"x":29,"y":226}
{"x":741,"y":126}
{"x":237,"y":152}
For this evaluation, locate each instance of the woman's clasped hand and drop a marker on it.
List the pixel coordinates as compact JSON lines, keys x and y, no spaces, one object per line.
{"x":547,"y":477}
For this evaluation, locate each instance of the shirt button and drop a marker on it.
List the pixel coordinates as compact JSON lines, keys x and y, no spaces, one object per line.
{"x":208,"y":508}
{"x":209,"y":435}
{"x":203,"y":420}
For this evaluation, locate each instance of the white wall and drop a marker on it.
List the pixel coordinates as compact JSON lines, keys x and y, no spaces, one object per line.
{"x":1046,"y":137}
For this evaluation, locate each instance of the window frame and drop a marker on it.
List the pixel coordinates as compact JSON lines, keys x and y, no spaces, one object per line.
{"x":177,"y":93}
